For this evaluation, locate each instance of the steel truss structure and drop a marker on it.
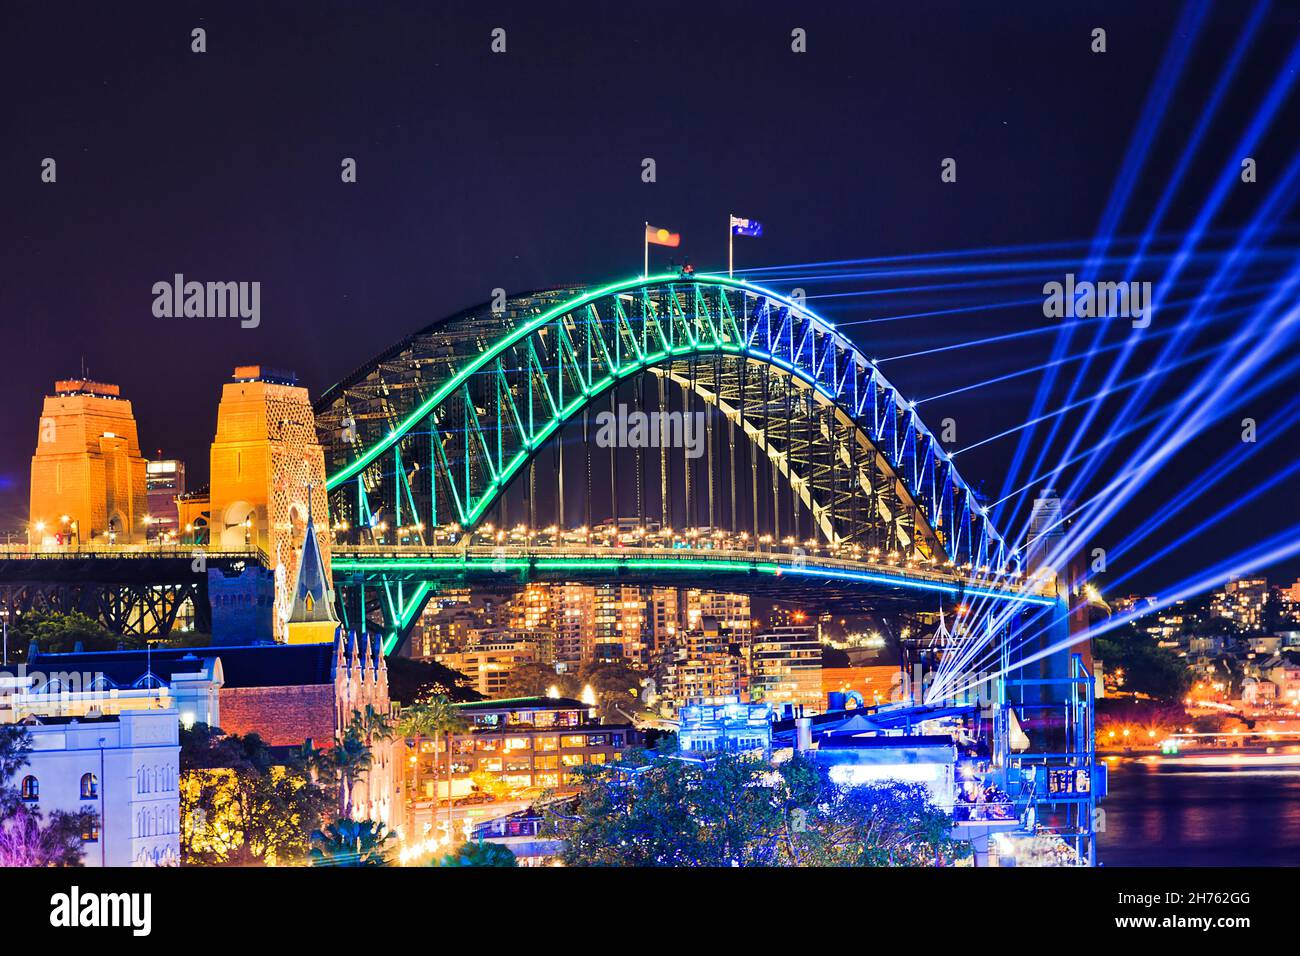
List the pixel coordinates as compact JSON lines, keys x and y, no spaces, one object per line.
{"x":805,"y":437}
{"x":138,"y":592}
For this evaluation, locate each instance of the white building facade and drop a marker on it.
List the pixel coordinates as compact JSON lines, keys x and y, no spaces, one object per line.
{"x":125,"y":768}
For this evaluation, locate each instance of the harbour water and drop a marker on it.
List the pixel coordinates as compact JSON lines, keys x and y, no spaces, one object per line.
{"x":1218,"y":809}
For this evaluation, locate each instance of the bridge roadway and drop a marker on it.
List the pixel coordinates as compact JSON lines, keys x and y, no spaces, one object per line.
{"x":840,"y":583}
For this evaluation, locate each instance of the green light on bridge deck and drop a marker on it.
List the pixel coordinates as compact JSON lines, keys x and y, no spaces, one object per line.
{"x":612,"y":564}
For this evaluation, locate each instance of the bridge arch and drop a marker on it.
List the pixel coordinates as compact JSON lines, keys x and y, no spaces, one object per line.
{"x":490,"y":390}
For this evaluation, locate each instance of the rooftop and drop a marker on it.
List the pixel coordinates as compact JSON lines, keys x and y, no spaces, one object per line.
{"x":249,"y":665}
{"x":522,"y":703}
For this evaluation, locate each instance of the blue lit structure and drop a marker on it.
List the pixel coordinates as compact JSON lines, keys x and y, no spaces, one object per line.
{"x":733,"y":727}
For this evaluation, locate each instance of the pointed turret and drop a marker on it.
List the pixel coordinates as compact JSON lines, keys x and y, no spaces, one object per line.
{"x":312,"y":619}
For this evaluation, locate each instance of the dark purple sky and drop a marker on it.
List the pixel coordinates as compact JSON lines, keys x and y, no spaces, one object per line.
{"x":523,"y":171}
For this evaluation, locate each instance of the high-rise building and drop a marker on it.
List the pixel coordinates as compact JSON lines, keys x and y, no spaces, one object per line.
{"x":785,"y":666}
{"x":731,"y":611}
{"x":164,"y":481}
{"x":706,"y":668}
{"x":620,"y":624}
{"x":88,"y":476}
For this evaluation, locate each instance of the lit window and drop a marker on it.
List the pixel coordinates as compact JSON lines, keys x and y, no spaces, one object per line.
{"x":91,"y":833}
{"x":89,"y":786}
{"x":31,"y":789}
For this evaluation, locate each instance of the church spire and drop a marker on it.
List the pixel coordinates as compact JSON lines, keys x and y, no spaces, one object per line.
{"x":312,"y":617}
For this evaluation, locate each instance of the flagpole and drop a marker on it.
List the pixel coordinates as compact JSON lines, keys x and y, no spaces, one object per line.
{"x":731,"y":241}
{"x":645,"y":244}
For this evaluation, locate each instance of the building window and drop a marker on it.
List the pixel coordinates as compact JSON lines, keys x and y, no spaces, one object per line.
{"x":31,"y":789}
{"x":89,"y":786}
{"x":91,"y":833}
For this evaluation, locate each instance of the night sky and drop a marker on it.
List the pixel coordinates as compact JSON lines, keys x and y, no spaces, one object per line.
{"x":523,"y":171}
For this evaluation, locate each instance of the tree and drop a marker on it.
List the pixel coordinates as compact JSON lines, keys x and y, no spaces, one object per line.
{"x":347,"y":842}
{"x":736,"y":810}
{"x":58,"y":632}
{"x":24,"y":839}
{"x":1149,"y":670}
{"x":616,"y":685}
{"x":347,"y":762}
{"x":478,"y":854}
{"x":536,"y":680}
{"x":243,"y":805}
{"x":412,"y":681}
{"x":436,"y":718}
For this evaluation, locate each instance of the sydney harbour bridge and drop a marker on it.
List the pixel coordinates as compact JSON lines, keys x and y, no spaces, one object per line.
{"x":472,"y":450}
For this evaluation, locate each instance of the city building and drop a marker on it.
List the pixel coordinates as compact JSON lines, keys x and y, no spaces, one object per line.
{"x":706,"y":668}
{"x":87,"y":476}
{"x":164,"y":481}
{"x":731,"y":611}
{"x":514,"y":746}
{"x":125,"y":768}
{"x":785,"y":667}
{"x":620,"y":624}
{"x":488,"y":661}
{"x":449,"y":622}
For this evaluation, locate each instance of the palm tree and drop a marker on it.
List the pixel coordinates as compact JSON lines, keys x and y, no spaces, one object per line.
{"x":436,"y":717}
{"x":478,"y":854}
{"x":371,"y":725}
{"x":349,"y":760}
{"x":347,"y":842}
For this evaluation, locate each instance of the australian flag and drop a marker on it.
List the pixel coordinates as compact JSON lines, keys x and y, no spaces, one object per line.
{"x":746,"y":227}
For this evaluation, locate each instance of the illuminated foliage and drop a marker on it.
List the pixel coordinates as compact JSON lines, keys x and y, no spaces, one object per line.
{"x":56,"y":632}
{"x":659,"y":810}
{"x":1149,"y":670}
{"x":478,"y":854}
{"x":242,"y":804}
{"x":615,"y":685}
{"x":348,"y":842}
